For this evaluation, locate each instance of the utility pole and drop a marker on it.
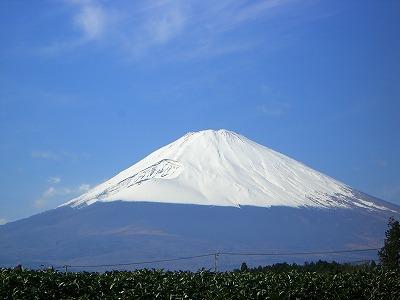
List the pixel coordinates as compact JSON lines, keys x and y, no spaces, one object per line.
{"x":215,"y":262}
{"x":66,"y":268}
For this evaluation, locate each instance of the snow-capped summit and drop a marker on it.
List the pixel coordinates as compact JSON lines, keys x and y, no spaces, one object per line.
{"x":160,"y":215}
{"x":223,"y":168}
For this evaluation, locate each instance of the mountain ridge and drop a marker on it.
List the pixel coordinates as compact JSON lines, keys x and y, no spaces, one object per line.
{"x":203,"y":168}
{"x":224,"y":168}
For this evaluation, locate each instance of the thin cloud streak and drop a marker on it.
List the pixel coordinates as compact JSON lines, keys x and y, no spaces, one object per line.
{"x":91,"y":19}
{"x":271,"y":110}
{"x":45,"y":155}
{"x":63,"y":155}
{"x":165,"y":25}
{"x":54,"y":180}
{"x":274,"y":109}
{"x":196,"y":29}
{"x":52,"y":192}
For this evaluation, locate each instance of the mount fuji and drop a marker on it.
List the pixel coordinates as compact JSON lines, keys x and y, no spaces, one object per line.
{"x":209,"y":191}
{"x":223,"y":168}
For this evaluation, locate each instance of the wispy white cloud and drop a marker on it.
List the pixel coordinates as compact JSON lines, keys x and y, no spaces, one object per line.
{"x":198,"y":29}
{"x":195,"y":28}
{"x":167,"y":23}
{"x":63,"y":155}
{"x":273,"y":109}
{"x":226,"y":15}
{"x":257,"y":9}
{"x":52,"y":192}
{"x":54,"y":180}
{"x":84,"y":187}
{"x":3,"y":221}
{"x":44,"y":155}
{"x":91,"y":18}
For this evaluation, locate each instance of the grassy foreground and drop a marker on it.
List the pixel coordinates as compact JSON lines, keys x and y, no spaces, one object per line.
{"x":158,"y":284}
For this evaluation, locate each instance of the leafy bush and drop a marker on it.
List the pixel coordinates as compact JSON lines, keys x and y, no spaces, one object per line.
{"x":159,"y":284}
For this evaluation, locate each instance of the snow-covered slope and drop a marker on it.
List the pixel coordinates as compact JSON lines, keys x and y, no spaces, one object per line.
{"x":224,"y":168}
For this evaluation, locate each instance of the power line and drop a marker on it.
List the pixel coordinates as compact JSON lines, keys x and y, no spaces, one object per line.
{"x":215,"y":255}
{"x":143,"y":262}
{"x":298,"y":253}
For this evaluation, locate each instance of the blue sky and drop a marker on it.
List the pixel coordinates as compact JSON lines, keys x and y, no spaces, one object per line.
{"x":88,"y":88}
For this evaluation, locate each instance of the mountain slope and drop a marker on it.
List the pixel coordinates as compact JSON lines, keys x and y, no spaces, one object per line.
{"x":223,"y":168}
{"x":122,"y":231}
{"x":182,"y":200}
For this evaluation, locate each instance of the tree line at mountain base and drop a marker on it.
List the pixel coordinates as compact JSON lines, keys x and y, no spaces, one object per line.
{"x":319,"y":266}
